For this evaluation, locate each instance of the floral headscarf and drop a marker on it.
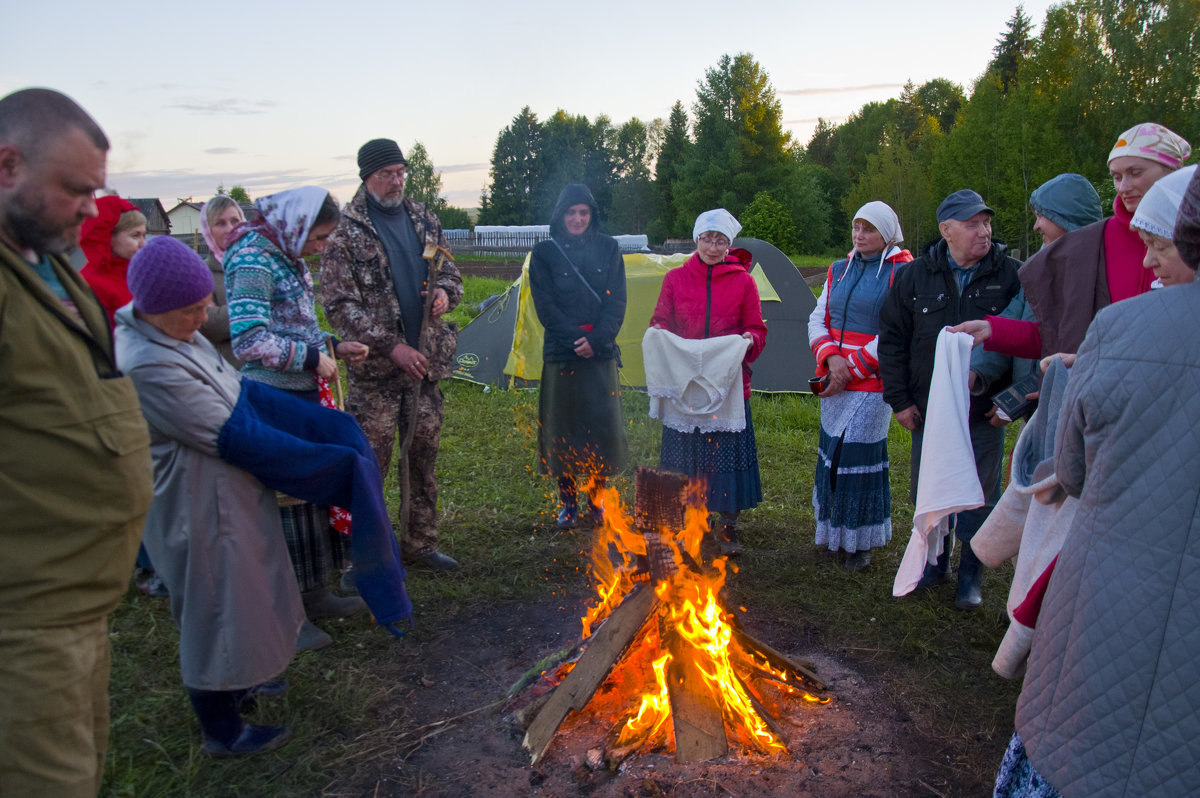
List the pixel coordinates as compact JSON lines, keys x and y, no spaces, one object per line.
{"x":286,"y":218}
{"x":206,"y":232}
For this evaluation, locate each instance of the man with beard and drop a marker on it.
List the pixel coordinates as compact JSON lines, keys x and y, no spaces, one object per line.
{"x":75,"y":473}
{"x":373,"y":286}
{"x":964,"y":275}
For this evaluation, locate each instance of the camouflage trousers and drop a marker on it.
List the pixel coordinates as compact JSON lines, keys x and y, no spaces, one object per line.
{"x":383,"y":411}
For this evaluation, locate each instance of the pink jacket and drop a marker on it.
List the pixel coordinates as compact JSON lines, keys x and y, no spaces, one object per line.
{"x":702,"y":301}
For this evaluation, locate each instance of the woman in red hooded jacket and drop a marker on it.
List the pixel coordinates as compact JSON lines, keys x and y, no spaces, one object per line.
{"x":712,"y":294}
{"x":109,"y":240}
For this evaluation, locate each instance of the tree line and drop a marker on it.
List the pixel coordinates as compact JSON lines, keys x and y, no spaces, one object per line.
{"x":1046,"y":104}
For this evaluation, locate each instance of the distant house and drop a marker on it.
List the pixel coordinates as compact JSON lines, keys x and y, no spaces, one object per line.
{"x":157,"y":221}
{"x":185,"y":218}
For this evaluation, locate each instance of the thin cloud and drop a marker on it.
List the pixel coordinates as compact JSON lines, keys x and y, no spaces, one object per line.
{"x":814,"y":120}
{"x":463,"y":167}
{"x":229,"y":105}
{"x":840,"y":89}
{"x":221,"y":151}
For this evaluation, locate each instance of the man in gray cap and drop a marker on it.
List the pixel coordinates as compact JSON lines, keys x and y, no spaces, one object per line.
{"x":75,"y":473}
{"x":964,"y":275}
{"x":374,"y":284}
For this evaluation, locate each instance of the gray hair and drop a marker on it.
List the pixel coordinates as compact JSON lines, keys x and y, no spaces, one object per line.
{"x":31,"y":119}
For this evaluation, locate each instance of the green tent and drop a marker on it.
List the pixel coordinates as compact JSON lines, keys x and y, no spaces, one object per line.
{"x":506,"y":340}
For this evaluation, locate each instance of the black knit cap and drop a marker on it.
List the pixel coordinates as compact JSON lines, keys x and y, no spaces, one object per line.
{"x":376,"y":154}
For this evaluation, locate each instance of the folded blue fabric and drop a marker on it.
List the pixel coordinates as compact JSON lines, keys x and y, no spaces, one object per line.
{"x":321,"y":456}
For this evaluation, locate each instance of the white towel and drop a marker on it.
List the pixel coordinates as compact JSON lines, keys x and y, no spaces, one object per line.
{"x":695,"y":382}
{"x":947,"y":483}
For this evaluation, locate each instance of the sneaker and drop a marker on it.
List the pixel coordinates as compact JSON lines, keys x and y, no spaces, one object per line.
{"x":347,"y":584}
{"x":151,"y":584}
{"x":436,"y":561}
{"x":252,"y":740}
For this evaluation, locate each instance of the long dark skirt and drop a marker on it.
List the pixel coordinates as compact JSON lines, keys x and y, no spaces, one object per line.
{"x":727,"y":460}
{"x":581,"y":429}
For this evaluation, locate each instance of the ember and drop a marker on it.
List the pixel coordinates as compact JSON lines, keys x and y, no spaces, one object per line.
{"x":658,"y":645}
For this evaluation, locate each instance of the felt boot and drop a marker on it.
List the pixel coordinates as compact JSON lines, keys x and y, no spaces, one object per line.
{"x":321,"y":603}
{"x":936,"y":574}
{"x":312,"y":638}
{"x":970,"y":575}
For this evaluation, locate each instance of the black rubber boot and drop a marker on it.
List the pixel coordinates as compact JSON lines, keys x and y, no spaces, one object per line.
{"x":936,"y":574}
{"x":728,"y":538}
{"x":225,"y":733}
{"x":970,"y":574}
{"x":858,"y":560}
{"x":568,"y":516}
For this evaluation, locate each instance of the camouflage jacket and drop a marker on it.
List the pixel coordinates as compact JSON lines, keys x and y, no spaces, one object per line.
{"x":360,"y":298}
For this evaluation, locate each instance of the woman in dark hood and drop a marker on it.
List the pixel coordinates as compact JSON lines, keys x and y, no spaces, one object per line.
{"x":577,"y":280}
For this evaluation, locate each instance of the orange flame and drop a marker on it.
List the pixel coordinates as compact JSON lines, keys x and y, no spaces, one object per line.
{"x":690,"y":608}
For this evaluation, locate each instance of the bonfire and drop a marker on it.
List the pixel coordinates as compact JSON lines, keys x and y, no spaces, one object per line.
{"x":660,"y":656}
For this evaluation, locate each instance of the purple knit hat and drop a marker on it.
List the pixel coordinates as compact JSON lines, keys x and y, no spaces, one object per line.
{"x":166,"y":275}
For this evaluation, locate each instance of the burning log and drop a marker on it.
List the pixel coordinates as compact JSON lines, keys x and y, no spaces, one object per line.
{"x":702,"y":662}
{"x":606,"y":646}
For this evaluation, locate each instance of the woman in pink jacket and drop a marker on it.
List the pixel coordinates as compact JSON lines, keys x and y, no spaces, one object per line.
{"x":710,"y":295}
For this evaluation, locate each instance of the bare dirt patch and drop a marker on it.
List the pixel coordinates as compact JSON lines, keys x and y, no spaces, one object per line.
{"x":452,"y":732}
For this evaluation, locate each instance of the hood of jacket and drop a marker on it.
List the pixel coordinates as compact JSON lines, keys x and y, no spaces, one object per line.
{"x":95,"y":238}
{"x":573,"y":194}
{"x":736,"y":260}
{"x":1068,"y":200}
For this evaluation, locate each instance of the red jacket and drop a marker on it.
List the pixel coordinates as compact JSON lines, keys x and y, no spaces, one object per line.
{"x":702,"y":301}
{"x":105,"y":272}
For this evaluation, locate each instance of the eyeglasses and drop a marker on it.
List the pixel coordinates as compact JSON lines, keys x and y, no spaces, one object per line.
{"x":391,"y":175}
{"x":714,"y":241}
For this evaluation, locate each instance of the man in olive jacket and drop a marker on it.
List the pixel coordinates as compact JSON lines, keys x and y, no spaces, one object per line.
{"x":75,"y":473}
{"x":373,"y":286}
{"x":963,"y":276}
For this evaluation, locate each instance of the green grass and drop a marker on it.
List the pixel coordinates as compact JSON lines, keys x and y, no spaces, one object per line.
{"x":931,"y":661}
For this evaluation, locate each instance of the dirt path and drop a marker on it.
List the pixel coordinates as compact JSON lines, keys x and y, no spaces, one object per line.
{"x":860,"y":745}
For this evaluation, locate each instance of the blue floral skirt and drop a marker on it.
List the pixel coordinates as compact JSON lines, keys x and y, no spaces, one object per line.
{"x":1017,"y":778}
{"x":727,"y":460}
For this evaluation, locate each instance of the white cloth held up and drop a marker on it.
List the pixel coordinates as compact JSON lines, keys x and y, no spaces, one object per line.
{"x":947,"y":483}
{"x":695,"y":383}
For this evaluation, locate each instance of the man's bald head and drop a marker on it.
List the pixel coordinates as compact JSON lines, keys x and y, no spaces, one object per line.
{"x":31,"y":119}
{"x":52,"y":162}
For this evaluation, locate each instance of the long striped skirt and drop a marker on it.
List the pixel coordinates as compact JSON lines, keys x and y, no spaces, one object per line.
{"x":851,"y":498}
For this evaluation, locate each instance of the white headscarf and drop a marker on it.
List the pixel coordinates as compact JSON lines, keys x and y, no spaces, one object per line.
{"x":884,"y":219}
{"x":1157,"y":211}
{"x":717,"y":220}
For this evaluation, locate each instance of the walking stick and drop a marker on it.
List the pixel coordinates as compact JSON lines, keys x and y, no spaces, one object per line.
{"x":337,"y":378}
{"x":434,"y":255}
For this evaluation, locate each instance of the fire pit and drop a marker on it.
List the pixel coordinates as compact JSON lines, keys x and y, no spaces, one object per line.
{"x":660,"y":654}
